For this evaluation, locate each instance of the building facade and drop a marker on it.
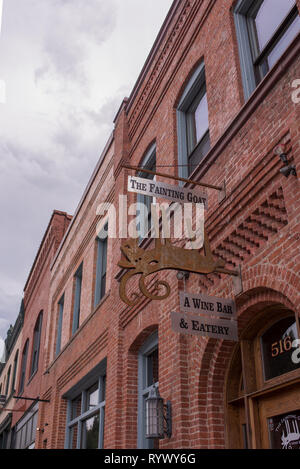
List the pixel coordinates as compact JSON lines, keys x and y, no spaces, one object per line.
{"x":23,"y":393}
{"x":8,"y":378}
{"x":217,"y":102}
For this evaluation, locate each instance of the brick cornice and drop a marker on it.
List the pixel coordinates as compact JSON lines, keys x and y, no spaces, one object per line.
{"x":161,"y":66}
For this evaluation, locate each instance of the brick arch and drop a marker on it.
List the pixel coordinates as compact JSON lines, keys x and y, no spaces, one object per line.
{"x":276,"y":278}
{"x":141,"y":337}
{"x":187,"y":79}
{"x":216,"y":357}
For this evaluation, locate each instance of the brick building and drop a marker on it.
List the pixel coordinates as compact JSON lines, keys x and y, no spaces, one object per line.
{"x":9,"y":371}
{"x":216,"y":97}
{"x":26,"y":341}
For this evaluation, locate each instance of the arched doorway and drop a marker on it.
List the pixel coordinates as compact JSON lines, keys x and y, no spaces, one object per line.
{"x":263,"y":384}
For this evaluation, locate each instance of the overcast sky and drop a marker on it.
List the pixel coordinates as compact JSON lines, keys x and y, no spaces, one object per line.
{"x":66,"y":65}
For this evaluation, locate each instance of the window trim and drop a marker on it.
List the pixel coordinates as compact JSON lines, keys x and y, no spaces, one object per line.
{"x":148,"y":161}
{"x":196,"y":86}
{"x":261,"y":356}
{"x":97,"y":375}
{"x":37,"y":332}
{"x":102,"y":246}
{"x":31,"y":415}
{"x":244,"y":13}
{"x":148,"y":346}
{"x":7,"y":382}
{"x":61,"y":305}
{"x":13,"y":384}
{"x":23,"y":367}
{"x":77,"y":298}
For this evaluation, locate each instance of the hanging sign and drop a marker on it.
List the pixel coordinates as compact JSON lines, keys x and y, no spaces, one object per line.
{"x":166,"y":191}
{"x":163,"y":256}
{"x":207,"y":327}
{"x":208,"y":305}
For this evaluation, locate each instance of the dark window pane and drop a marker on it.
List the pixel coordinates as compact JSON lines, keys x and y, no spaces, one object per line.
{"x":103,"y":285}
{"x":284,"y":431}
{"x":245,"y":437}
{"x":101,"y":268}
{"x":36,"y":343}
{"x":269,"y":17}
{"x":144,"y":213}
{"x":152,"y":368}
{"x":7,"y":381}
{"x":103,"y":389}
{"x":59,"y":324}
{"x":200,"y":151}
{"x":23,"y":367}
{"x":90,"y":433}
{"x":277,"y":348}
{"x":77,"y":299}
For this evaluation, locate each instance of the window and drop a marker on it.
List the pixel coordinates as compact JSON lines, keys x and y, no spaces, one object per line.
{"x":26,"y":430}
{"x":276,"y":347}
{"x":147,"y":377}
{"x":265,"y":28}
{"x":59,"y":324}
{"x":263,"y":399}
{"x":85,"y":420}
{"x":101,"y":267}
{"x":36,"y":343}
{"x":144,"y":218}
{"x":7,"y":381}
{"x":15,"y":371}
{"x":192,"y":123}
{"x":76,"y":312}
{"x":23,"y":366}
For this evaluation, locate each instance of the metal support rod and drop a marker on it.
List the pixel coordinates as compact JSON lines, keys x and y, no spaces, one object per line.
{"x":176,"y":178}
{"x":221,"y":270}
{"x":36,"y":399}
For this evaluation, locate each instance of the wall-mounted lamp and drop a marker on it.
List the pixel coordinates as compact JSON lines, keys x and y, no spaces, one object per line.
{"x":158,"y":414}
{"x":287,"y":168}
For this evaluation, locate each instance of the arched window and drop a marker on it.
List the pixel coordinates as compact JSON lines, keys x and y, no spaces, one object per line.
{"x":263,"y":387}
{"x":148,"y":369}
{"x":36,"y":343}
{"x":7,"y":381}
{"x":23,"y":367}
{"x":144,"y":208}
{"x":192,"y":123}
{"x":13,"y":384}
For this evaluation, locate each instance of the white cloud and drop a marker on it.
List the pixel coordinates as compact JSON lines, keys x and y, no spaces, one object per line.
{"x":67,"y":65}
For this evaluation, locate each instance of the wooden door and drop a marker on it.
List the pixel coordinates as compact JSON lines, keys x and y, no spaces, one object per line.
{"x":279,"y":417}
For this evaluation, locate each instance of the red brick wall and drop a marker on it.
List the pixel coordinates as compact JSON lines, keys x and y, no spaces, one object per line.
{"x":36,"y":298}
{"x":256,"y":226}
